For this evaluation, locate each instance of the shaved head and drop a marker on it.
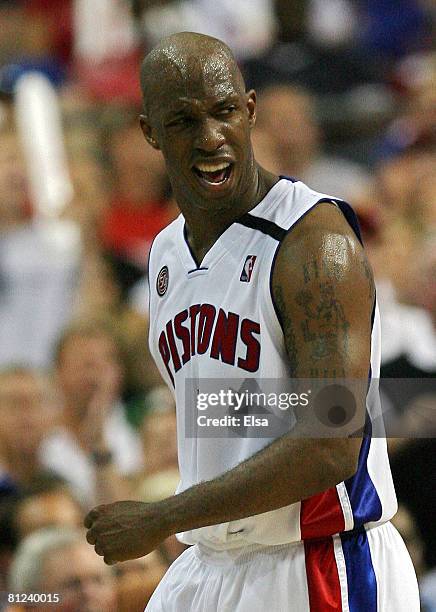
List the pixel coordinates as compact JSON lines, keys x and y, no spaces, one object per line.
{"x":198,"y":113}
{"x":184,"y":58}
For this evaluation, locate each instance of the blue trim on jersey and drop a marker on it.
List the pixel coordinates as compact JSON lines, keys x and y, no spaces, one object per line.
{"x":364,"y":499}
{"x":350,"y":216}
{"x":288,"y":178}
{"x":361,"y":580}
{"x":363,"y":495}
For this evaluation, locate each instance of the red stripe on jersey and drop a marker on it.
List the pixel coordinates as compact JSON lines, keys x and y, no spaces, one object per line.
{"x":322,"y":576}
{"x":321,"y":515}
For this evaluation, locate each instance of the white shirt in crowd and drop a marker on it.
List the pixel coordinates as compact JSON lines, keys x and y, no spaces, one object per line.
{"x":247,"y":26}
{"x":61,"y":453}
{"x":38,"y":274}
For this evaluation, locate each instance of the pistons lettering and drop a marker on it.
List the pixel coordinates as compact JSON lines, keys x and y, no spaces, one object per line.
{"x":200,"y":330}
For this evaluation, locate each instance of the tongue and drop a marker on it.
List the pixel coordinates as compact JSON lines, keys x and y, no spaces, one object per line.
{"x":215,"y":177}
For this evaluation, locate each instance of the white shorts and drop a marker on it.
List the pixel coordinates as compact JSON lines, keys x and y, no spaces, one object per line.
{"x":367,"y":571}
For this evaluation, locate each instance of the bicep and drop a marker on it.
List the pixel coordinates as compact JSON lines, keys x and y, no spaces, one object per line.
{"x":324,"y":294}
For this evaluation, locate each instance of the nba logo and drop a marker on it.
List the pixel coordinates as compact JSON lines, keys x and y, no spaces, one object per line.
{"x":247,"y":271}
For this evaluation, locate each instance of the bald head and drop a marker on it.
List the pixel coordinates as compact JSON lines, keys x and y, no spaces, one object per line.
{"x":184,"y":59}
{"x":196,"y":108}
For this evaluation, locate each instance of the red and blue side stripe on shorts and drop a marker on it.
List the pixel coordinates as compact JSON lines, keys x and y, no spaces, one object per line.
{"x":322,"y":515}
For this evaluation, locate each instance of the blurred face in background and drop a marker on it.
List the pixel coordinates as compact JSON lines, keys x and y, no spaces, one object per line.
{"x":12,"y":179}
{"x":136,"y":581}
{"x":85,"y":365}
{"x":26,"y":412}
{"x":49,"y":509}
{"x":286,"y":113}
{"x":83,"y":581}
{"x":140,"y":171}
{"x":159,"y":437}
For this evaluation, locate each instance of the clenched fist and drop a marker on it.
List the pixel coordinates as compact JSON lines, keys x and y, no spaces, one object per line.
{"x":125,"y":530}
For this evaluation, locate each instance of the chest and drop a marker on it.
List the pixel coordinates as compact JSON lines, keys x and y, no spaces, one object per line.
{"x":211,"y":312}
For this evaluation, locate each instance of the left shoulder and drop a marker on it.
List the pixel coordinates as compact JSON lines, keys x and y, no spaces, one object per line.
{"x":324,"y":230}
{"x":323,"y":247}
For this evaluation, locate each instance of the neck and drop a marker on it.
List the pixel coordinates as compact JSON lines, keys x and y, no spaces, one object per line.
{"x":205,"y":227}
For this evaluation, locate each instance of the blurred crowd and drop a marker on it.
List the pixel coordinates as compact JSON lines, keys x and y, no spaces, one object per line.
{"x":346,"y":103}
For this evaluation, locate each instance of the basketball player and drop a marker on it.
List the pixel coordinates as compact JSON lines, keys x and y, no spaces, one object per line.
{"x":260,"y":277}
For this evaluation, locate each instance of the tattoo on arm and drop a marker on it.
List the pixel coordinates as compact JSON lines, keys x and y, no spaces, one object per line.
{"x":370,"y":277}
{"x":290,"y":341}
{"x":325,"y":326}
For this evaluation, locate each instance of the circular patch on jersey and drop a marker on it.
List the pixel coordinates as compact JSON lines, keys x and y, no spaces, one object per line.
{"x":162,"y":281}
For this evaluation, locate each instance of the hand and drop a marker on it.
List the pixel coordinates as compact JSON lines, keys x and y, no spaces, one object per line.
{"x":125,"y":530}
{"x":100,"y":403}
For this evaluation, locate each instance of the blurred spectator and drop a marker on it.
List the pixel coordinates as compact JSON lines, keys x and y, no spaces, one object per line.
{"x":288,"y":115}
{"x":415,"y":127}
{"x":107,"y":58}
{"x":38,"y":268}
{"x":139,"y":208}
{"x":160,"y":448}
{"x":94,"y":448}
{"x":313,"y":51}
{"x":26,"y":416}
{"x":33,"y":39}
{"x":47,"y":502}
{"x":404,"y":264}
{"x":137,"y":580}
{"x":99,"y":297}
{"x":393,"y":29}
{"x":60,"y":561}
{"x":161,"y":476}
{"x":248,"y":27}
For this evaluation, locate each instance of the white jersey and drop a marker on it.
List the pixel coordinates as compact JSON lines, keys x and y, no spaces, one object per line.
{"x":218,"y":321}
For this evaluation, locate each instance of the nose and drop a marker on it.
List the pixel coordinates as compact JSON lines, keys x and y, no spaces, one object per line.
{"x":209,"y":136}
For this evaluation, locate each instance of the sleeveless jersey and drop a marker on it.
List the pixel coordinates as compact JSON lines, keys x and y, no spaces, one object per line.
{"x":218,"y":321}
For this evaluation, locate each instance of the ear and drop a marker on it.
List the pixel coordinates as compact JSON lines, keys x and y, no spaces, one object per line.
{"x":251,"y":107}
{"x":147,"y":130}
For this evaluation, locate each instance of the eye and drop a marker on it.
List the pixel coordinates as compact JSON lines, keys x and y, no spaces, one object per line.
{"x":180,"y":122}
{"x":228,"y":110}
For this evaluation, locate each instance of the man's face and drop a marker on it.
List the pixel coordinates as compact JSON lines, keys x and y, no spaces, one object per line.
{"x":201,"y":120}
{"x":85,"y":365}
{"x":51,"y":509}
{"x":26,"y":411}
{"x":286,"y":116}
{"x":83,"y":581}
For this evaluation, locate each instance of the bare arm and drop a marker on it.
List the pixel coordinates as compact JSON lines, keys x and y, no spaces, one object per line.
{"x":324,"y":292}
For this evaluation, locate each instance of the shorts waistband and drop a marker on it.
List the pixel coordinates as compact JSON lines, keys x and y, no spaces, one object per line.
{"x":241,"y":555}
{"x":247,"y":553}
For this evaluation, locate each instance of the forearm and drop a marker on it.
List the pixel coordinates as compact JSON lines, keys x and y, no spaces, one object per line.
{"x":285,"y":472}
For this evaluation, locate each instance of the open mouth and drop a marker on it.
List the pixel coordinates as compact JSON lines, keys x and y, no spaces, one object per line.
{"x":214,"y":174}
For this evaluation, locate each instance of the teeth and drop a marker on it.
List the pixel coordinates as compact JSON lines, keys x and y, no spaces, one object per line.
{"x":212,"y":168}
